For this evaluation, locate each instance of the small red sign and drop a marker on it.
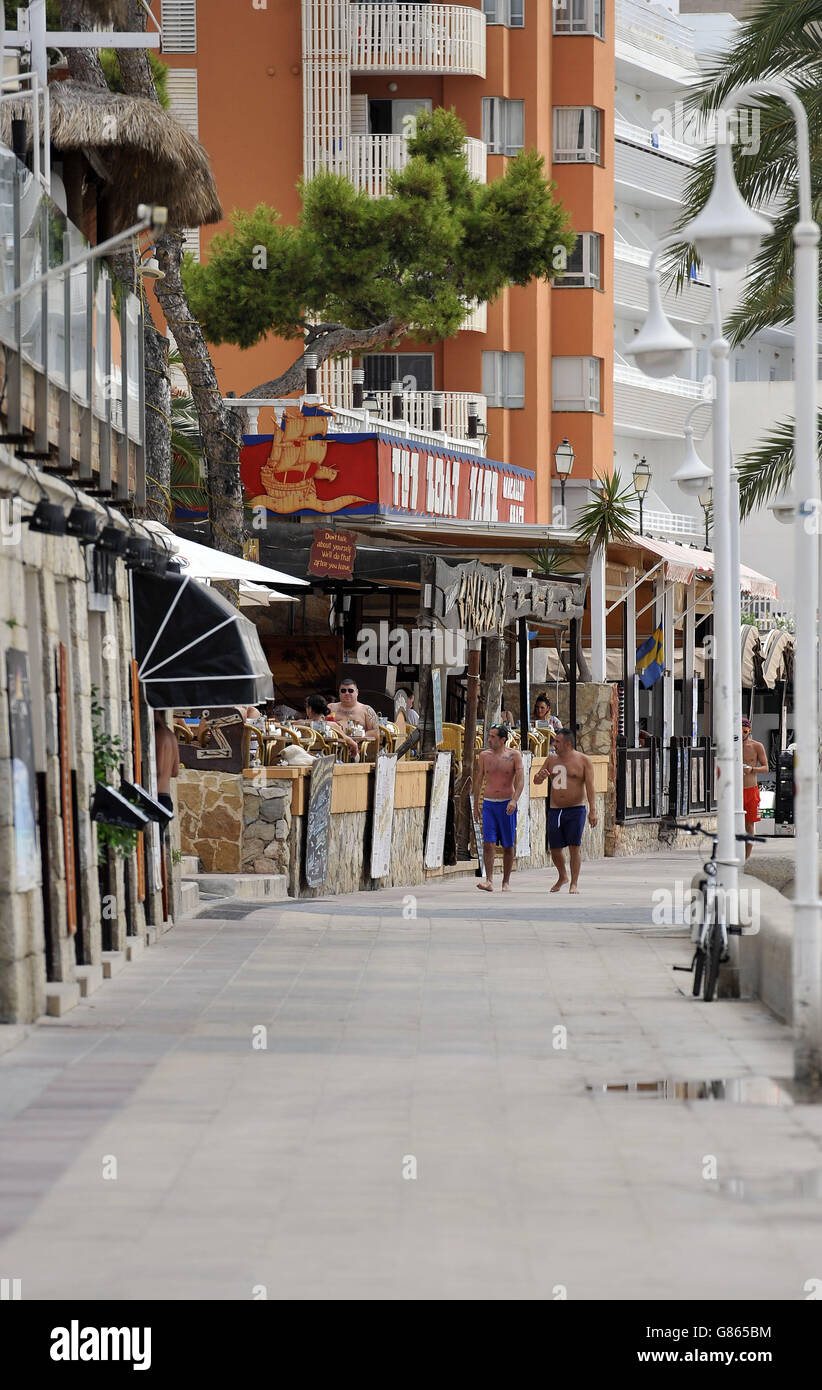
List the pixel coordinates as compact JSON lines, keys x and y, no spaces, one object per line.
{"x":332,"y":555}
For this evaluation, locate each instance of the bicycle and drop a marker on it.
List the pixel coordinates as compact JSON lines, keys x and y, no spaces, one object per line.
{"x":711,"y":945}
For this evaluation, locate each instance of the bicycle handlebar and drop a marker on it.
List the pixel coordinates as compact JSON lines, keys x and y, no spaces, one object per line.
{"x":711,"y":834}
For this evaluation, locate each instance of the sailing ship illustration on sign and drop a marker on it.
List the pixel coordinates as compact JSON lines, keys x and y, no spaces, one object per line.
{"x":296,"y":464}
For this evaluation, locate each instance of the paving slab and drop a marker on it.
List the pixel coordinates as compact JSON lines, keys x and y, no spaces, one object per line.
{"x":337,"y":1102}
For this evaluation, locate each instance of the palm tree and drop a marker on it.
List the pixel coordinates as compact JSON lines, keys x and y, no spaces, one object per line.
{"x":609,"y":516}
{"x":782,"y":38}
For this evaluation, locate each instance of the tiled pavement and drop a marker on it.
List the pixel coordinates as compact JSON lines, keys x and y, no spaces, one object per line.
{"x":394,"y":1037}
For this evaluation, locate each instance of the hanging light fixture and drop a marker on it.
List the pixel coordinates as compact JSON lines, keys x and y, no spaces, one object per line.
{"x":726,"y":233}
{"x":692,"y":474}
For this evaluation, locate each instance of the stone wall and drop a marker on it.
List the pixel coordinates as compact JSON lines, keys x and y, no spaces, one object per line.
{"x":211,"y":808}
{"x":47,"y":598}
{"x":346,"y":858}
{"x":654,"y":836}
{"x":266,"y":828}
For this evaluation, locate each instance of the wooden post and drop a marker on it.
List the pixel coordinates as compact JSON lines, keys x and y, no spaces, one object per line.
{"x":524,"y":682}
{"x":464,"y":788}
{"x":494,"y":659}
{"x":425,"y":709}
{"x":572,"y":688}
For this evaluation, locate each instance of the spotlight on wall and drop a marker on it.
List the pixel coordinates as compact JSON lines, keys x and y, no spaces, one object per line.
{"x":48,"y":518}
{"x":83,"y":523}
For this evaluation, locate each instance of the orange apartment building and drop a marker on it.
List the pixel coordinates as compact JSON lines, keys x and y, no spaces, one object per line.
{"x":276,"y":89}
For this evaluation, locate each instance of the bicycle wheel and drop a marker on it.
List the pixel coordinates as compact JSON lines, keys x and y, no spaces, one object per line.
{"x":699,"y":967}
{"x":713,"y":952}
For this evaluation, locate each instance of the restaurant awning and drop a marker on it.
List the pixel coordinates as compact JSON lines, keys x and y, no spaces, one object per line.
{"x":202,"y":562}
{"x":192,"y":647}
{"x":683,"y":562}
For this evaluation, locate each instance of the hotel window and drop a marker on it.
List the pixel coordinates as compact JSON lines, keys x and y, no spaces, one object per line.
{"x":580,"y":17}
{"x":503,"y":379}
{"x":511,"y":13}
{"x":577,"y":135}
{"x":583,"y":268}
{"x":503,"y":125}
{"x":576,"y":383}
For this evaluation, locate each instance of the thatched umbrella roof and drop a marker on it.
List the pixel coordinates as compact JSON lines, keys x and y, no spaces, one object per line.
{"x":143,"y":152}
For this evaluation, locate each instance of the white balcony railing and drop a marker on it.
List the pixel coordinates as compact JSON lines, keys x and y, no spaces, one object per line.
{"x":476,"y":320}
{"x":646,"y":179}
{"x":672,"y":524}
{"x":654,"y":37}
{"x":417,"y":38}
{"x":646,"y":406}
{"x":364,"y":422}
{"x":655,"y":141}
{"x":418,"y":408}
{"x":691,"y":305}
{"x":373,"y":158}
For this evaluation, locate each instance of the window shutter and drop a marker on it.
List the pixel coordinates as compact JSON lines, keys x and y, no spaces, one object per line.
{"x":179,"y":23}
{"x":191,"y":242}
{"x":359,"y":113}
{"x":182,"y":91}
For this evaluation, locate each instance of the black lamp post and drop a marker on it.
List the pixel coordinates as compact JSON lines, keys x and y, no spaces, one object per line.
{"x":564,"y":459}
{"x":705,"y":501}
{"x":642,"y":481}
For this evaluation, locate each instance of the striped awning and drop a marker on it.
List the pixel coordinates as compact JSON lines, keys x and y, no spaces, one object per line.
{"x":685,"y":562}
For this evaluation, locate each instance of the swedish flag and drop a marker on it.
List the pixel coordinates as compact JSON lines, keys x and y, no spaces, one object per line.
{"x":650,"y":659}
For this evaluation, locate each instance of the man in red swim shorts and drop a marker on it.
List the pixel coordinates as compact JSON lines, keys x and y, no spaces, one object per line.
{"x":754,"y":761}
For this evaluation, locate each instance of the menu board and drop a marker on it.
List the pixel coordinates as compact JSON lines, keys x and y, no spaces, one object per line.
{"x":436,"y":700}
{"x":318,"y":828}
{"x":438,"y":812}
{"x":382,"y":823}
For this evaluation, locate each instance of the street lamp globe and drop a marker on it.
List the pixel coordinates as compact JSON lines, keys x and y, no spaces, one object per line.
{"x":784,"y":509}
{"x":564,"y":458}
{"x":658,"y":349}
{"x":692,"y":474}
{"x":642,"y":477}
{"x":726,"y":233}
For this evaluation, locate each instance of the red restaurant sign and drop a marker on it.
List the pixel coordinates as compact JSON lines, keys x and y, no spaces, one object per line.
{"x":296,"y":473}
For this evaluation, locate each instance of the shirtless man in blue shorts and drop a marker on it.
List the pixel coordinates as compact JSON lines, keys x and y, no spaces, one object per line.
{"x":572,"y":779}
{"x":499,"y":770}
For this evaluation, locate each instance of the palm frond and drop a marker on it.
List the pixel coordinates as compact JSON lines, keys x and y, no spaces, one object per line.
{"x":609,"y":516}
{"x":548,"y":560}
{"x":767,"y":471}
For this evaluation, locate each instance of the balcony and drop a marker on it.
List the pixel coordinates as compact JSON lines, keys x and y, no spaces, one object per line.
{"x":648,"y":41}
{"x":418,"y":408}
{"x":74,"y":369}
{"x":692,"y":305}
{"x":645,"y":406}
{"x":650,"y":169}
{"x":418,"y":38}
{"x":373,"y":158}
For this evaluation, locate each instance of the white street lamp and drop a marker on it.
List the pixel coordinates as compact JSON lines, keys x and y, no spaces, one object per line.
{"x":692,"y":475}
{"x":659,"y":350}
{"x":734,"y":225}
{"x":725,"y":575}
{"x":726,"y":233}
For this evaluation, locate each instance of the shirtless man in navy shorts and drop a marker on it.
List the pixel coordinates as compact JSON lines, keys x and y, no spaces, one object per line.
{"x":572,"y":779}
{"x":500,"y":772}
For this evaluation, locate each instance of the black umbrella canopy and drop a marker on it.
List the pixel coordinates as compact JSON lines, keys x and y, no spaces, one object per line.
{"x":192,"y":648}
